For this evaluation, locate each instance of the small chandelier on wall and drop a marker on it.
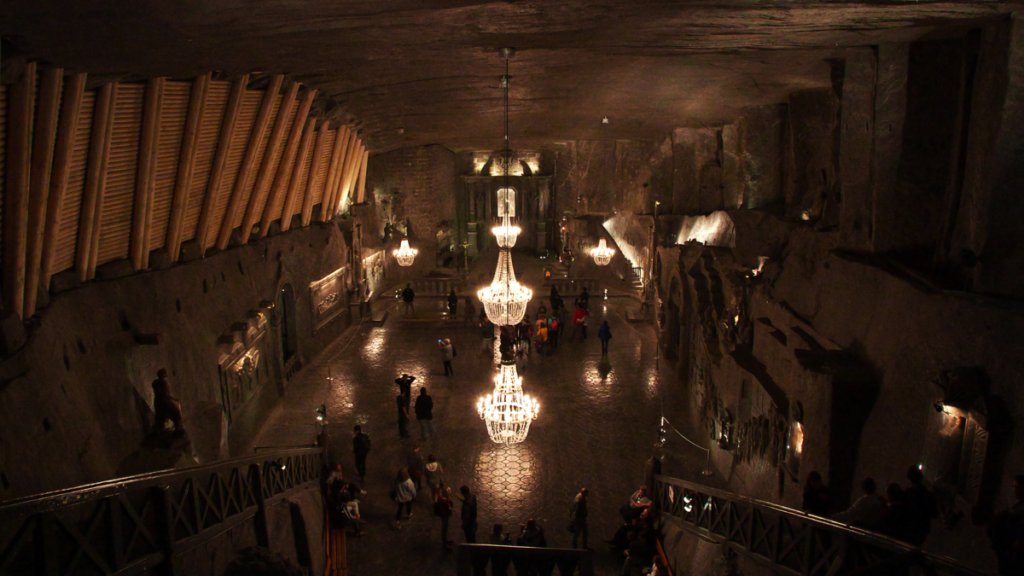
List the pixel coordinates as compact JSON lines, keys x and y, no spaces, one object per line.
{"x":405,"y":255}
{"x":602,"y":254}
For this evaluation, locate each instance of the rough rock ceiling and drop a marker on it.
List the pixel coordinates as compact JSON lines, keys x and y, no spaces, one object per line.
{"x":414,"y":72}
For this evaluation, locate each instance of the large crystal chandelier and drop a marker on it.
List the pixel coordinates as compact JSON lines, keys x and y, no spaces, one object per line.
{"x":602,"y":254}
{"x":508,"y":412}
{"x":405,"y":255}
{"x":505,"y":299}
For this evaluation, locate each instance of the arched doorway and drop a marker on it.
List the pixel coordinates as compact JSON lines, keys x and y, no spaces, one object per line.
{"x":286,"y":323}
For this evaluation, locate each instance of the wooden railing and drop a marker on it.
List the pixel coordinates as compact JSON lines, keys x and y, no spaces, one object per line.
{"x":473,"y":559}
{"x":792,"y":542}
{"x":134,"y":524}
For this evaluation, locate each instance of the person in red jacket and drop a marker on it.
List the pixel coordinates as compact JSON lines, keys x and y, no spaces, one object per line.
{"x":579,"y":319}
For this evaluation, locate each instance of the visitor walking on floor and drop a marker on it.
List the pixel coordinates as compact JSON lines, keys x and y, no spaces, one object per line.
{"x":405,"y":493}
{"x":361,"y":448}
{"x":468,"y":515}
{"x":447,"y":353}
{"x":403,"y":415}
{"x":563,"y":316}
{"x":453,"y":305}
{"x":416,"y":464}
{"x":443,"y":510}
{"x":579,"y":319}
{"x":554,"y":298}
{"x":604,"y":334}
{"x":408,"y":296}
{"x":425,"y":413}
{"x":434,"y":475}
{"x":578,"y":518}
{"x":470,"y":311}
{"x":583,"y":301}
{"x":553,"y":332}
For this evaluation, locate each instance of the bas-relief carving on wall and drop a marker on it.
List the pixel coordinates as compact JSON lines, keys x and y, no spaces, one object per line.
{"x":327,"y":296}
{"x":244,"y":370}
{"x":373,"y":275}
{"x":715,"y":417}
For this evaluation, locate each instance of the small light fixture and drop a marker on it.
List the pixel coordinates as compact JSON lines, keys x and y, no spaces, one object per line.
{"x":321,"y":415}
{"x":605,"y":120}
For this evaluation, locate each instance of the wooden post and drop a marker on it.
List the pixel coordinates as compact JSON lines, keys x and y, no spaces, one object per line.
{"x":245,"y":173}
{"x":314,"y":168}
{"x":95,"y":174}
{"x":260,"y":521}
{"x":353,"y":147}
{"x":164,"y":532}
{"x":101,"y":192}
{"x":266,"y":175}
{"x":186,"y":164}
{"x":220,"y":159}
{"x":353,"y":173}
{"x":71,"y":107}
{"x":361,"y":187}
{"x":44,"y":136}
{"x":145,"y":175}
{"x":337,"y":157}
{"x":293,"y":186}
{"x":19,"y":157}
{"x":289,"y":151}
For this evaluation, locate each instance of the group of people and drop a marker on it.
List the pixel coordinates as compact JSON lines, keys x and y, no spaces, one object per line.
{"x":635,"y":538}
{"x":904,"y":513}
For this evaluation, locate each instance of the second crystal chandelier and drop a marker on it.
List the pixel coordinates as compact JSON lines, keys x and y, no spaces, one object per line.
{"x":508,"y":412}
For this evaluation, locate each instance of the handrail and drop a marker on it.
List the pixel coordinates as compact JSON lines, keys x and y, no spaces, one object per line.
{"x":125,"y":525}
{"x":797,"y":542}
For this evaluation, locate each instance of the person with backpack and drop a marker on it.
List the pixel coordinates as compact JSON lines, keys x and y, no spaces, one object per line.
{"x":447,"y":353}
{"x":425,"y":413}
{"x":604,"y":334}
{"x":361,"y":448}
{"x":553,"y":332}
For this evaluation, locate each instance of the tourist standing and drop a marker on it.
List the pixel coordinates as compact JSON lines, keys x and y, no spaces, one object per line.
{"x":499,"y":561}
{"x":408,"y":296}
{"x":443,"y":509}
{"x":405,"y":493}
{"x":579,"y":320}
{"x":562,"y":315}
{"x":405,"y":387}
{"x":425,"y":413}
{"x":578,"y":518}
{"x":434,"y":475}
{"x":447,"y":353}
{"x":468,"y":515}
{"x":553,"y":331}
{"x":604,"y":334}
{"x":416,"y":463}
{"x":866,"y":512}
{"x":361,"y":448}
{"x":453,"y":305}
{"x":403,"y":415}
{"x":486,"y":336}
{"x":554,"y":298}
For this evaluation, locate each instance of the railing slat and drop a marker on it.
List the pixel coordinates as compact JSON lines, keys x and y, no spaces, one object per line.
{"x":792,"y":541}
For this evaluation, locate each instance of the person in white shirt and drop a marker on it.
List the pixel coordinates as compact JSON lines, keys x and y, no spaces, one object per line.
{"x":866,"y":512}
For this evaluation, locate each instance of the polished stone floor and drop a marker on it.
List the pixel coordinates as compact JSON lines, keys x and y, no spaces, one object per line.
{"x":597,"y":426}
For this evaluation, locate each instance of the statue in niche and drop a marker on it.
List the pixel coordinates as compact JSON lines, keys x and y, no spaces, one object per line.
{"x":167,"y":411}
